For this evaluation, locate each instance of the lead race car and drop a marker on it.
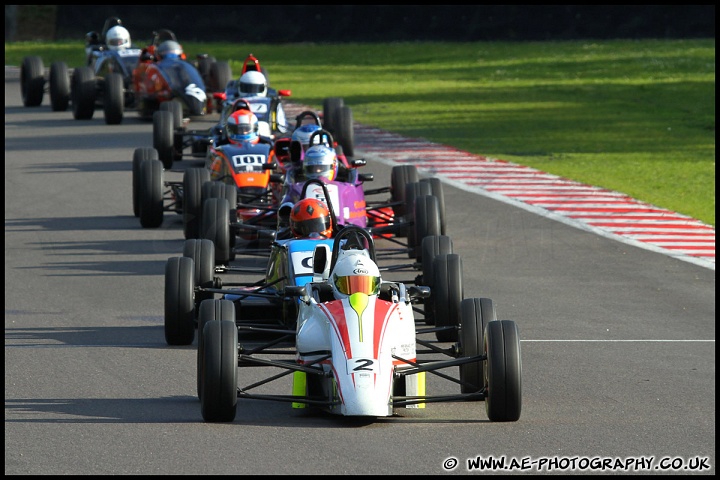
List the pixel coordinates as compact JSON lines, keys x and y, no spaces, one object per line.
{"x":117,"y":77}
{"x":354,"y":349}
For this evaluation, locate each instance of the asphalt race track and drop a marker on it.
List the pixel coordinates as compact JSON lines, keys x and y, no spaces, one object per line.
{"x":618,"y":341}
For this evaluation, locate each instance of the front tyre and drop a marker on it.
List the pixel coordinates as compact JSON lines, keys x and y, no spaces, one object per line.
{"x":59,"y":87}
{"x":179,"y":302}
{"x":151,"y":195}
{"x":82,"y":93}
{"x":114,"y":99}
{"x":218,"y":379}
{"x":208,"y":311}
{"x":163,"y":140}
{"x":503,"y":371}
{"x":139,"y":155}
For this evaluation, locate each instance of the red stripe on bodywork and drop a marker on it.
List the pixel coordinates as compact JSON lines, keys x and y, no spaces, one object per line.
{"x":383,"y":311}
{"x":336,"y":315}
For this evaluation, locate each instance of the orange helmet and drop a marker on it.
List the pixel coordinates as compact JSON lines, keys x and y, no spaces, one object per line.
{"x":242,"y":126}
{"x":310,"y":216}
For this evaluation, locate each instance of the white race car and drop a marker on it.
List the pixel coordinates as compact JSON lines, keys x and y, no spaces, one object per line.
{"x":356,"y":349}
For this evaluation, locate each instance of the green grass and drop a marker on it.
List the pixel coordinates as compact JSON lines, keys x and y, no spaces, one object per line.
{"x":632,"y":116}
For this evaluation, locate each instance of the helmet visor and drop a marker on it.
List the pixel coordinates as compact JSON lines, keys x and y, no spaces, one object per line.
{"x":315,"y":171}
{"x":305,"y":228}
{"x":252,"y":87}
{"x":358,"y":284}
{"x":239,"y":128}
{"x":115,"y":42}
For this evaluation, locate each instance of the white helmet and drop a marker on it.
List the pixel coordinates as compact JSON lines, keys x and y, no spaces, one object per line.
{"x":252,"y":84}
{"x":355,"y":272}
{"x":118,"y":38}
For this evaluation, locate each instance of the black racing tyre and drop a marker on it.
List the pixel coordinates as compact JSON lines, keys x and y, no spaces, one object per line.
{"x":431,"y":247}
{"x":220,"y":75}
{"x":437,"y":190}
{"x":475,"y":313}
{"x":502,"y":371}
{"x":218,"y":379}
{"x":331,"y":113}
{"x":400,"y":176}
{"x":427,"y":223}
{"x":203,"y":67}
{"x":83,"y":93}
{"x":179,"y":303}
{"x":215,"y":226}
{"x":139,"y":155}
{"x":345,"y":135}
{"x":210,"y":310}
{"x":202,"y":251}
{"x":177,"y":112}
{"x":412,"y":191}
{"x":163,"y":134}
{"x":151,"y":194}
{"x":59,"y":87}
{"x":193,"y":181}
{"x":114,"y":99}
{"x":447,"y":294}
{"x":222,"y":190}
{"x":32,"y":81}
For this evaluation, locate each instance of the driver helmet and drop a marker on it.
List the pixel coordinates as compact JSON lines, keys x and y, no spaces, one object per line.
{"x":310,"y":217}
{"x":118,"y":38}
{"x":320,"y":162}
{"x":302,"y":134}
{"x":163,"y":35}
{"x":169,"y":49}
{"x":242,"y":127}
{"x":252,"y":84}
{"x":355,"y":272}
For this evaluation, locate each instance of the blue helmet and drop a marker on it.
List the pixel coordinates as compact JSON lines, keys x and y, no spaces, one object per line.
{"x":303,"y":133}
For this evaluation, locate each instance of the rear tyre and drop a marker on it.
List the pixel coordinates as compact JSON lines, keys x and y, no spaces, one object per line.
{"x":503,"y":371}
{"x":151,"y":195}
{"x":218,"y":379}
{"x":202,"y":251}
{"x":345,"y":131}
{"x":59,"y":87}
{"x":427,"y":223}
{"x":216,"y":227}
{"x":412,"y":191}
{"x":331,"y":113}
{"x":163,"y":132}
{"x":220,"y":75}
{"x":32,"y":81}
{"x":431,"y":247}
{"x":82,"y":93}
{"x":179,"y":303}
{"x":436,"y":189}
{"x":447,"y":294}
{"x":192,"y":200}
{"x":475,"y":313}
{"x":114,"y":99}
{"x":139,"y":155}
{"x":400,"y":176}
